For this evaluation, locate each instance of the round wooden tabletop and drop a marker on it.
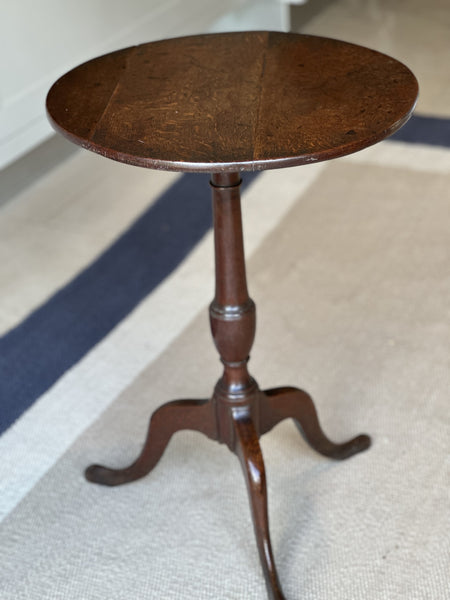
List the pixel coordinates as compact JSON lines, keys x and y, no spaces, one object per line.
{"x":233,"y":101}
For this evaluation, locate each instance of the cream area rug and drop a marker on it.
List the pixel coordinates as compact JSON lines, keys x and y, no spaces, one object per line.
{"x":349,"y":266}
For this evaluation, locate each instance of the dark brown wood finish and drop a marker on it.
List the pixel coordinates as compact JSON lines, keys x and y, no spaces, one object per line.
{"x":238,"y":412}
{"x":225,"y":103}
{"x":233,"y":101}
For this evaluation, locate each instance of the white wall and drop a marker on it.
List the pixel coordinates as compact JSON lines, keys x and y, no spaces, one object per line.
{"x":41,"y":40}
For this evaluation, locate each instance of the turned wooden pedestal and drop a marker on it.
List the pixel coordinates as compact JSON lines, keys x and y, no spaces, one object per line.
{"x":224,"y":104}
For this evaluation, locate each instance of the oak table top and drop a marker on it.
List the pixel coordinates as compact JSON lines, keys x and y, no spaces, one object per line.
{"x":233,"y":102}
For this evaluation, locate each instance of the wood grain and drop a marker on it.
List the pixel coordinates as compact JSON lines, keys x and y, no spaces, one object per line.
{"x":233,"y":101}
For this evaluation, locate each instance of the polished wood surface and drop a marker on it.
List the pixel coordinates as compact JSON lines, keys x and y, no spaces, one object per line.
{"x":233,"y":101}
{"x":226,"y":103}
{"x":238,"y":412}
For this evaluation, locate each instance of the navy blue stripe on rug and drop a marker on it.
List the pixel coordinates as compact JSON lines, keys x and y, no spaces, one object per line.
{"x":36,"y":353}
{"x":422,"y":129}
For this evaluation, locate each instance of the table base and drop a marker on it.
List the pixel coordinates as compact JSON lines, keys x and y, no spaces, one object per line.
{"x":238,"y":413}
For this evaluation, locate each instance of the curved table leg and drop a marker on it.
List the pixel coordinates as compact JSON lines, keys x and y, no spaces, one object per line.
{"x":289,"y":402}
{"x":169,"y":418}
{"x":248,"y":450}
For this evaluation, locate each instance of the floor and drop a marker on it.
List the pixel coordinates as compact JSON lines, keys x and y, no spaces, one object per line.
{"x":61,"y":210}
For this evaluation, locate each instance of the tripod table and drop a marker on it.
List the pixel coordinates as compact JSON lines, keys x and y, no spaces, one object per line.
{"x":225,"y":104}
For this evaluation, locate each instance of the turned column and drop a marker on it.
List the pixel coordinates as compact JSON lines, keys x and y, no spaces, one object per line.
{"x":232,"y":312}
{"x":237,"y":397}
